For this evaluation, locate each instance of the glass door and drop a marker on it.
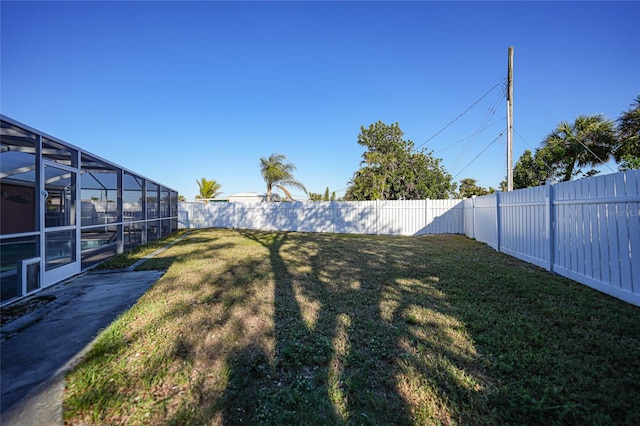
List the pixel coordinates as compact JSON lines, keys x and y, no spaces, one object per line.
{"x":61,"y":257}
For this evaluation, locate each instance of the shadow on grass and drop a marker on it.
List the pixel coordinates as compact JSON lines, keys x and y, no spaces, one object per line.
{"x":297,"y":386}
{"x":408,"y":332}
{"x":348,"y":348}
{"x":296,"y":328}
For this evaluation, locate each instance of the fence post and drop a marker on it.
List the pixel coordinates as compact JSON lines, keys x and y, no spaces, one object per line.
{"x":473,"y":216}
{"x":427,"y":214}
{"x":377,"y":210}
{"x":234,"y":217}
{"x":333,"y":217}
{"x":498,"y":221}
{"x":550,"y":221}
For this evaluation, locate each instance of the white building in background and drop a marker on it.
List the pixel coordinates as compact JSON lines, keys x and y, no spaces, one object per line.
{"x":252,"y":197}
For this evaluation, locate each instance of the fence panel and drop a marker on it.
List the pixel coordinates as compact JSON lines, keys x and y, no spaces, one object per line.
{"x":217,"y":215}
{"x":409,"y":217}
{"x":314,"y":218}
{"x":469,"y":216}
{"x":632,"y":216}
{"x":401,"y":217}
{"x":485,"y":220}
{"x":600,"y":228}
{"x":587,"y":230}
{"x":523,"y":225}
{"x":444,"y":217}
{"x":356,"y":217}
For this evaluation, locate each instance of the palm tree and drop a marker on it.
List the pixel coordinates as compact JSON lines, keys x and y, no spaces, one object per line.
{"x":589,"y":141}
{"x":208,"y":189}
{"x":628,"y":151}
{"x":276,"y":171}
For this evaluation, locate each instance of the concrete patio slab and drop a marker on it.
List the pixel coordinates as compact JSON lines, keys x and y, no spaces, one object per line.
{"x":38,"y":349}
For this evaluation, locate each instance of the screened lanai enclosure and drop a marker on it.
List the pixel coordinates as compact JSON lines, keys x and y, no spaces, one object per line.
{"x":64,"y":210}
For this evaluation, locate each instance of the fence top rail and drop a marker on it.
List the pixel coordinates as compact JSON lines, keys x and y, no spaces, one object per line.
{"x":601,"y":200}
{"x":523,"y":204}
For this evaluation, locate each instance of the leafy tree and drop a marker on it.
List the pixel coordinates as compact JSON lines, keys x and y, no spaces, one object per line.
{"x":276,"y":171}
{"x":629,"y":162}
{"x":181,"y":198}
{"x":469,"y":187}
{"x":588,"y":141}
{"x":392,"y":170}
{"x":313,"y":196}
{"x":534,"y":170}
{"x":208,"y":189}
{"x":628,"y":150}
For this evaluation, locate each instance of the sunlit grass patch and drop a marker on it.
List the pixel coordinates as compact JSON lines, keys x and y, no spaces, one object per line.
{"x":251,"y":327}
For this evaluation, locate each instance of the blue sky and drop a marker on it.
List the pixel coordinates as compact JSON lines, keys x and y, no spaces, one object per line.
{"x":182,"y":90}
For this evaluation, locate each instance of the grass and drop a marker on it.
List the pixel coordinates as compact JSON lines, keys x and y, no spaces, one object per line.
{"x":131,"y":256}
{"x":250,"y":327}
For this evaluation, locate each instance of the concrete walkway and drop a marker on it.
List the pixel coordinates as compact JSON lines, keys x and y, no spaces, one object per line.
{"x":38,"y":349}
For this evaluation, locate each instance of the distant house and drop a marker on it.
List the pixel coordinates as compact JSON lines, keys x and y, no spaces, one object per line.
{"x":252,"y":197}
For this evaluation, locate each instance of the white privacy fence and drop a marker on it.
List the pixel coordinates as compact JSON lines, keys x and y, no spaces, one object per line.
{"x":345,"y":217}
{"x":587,"y":230}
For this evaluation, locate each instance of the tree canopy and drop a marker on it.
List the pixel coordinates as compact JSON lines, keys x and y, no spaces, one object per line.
{"x":392,"y":170}
{"x":278,"y":172}
{"x":208,"y":189}
{"x":313,"y":196}
{"x":589,"y":141}
{"x":534,"y":170}
{"x":469,"y":187}
{"x":628,"y":150}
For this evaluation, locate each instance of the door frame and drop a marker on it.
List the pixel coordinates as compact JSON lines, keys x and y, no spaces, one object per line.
{"x":59,"y":273}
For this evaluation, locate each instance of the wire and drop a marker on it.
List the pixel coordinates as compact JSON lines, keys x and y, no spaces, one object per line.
{"x":490,"y":112}
{"x":578,"y":140}
{"x":471,"y":135}
{"x":542,"y":109}
{"x":501,"y":83}
{"x":549,"y":168}
{"x":481,"y":152}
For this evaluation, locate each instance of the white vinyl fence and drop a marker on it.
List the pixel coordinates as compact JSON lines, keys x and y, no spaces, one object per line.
{"x":345,"y":217}
{"x":587,"y":230}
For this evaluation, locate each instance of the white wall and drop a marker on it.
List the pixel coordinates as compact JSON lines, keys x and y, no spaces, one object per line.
{"x":353,"y":217}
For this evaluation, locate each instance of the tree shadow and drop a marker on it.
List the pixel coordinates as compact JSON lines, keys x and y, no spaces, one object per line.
{"x":296,"y":377}
{"x":335,"y":353}
{"x":295,"y":328}
{"x":347,"y":342}
{"x":365,"y":332}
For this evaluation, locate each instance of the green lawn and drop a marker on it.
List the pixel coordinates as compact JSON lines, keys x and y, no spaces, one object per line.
{"x":250,"y":327}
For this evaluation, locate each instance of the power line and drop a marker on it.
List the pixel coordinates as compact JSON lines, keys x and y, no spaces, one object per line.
{"x":490,"y":112}
{"x":471,"y":135}
{"x":481,"y":152}
{"x":542,"y":109}
{"x":549,"y":168}
{"x":501,"y":83}
{"x":577,"y":139}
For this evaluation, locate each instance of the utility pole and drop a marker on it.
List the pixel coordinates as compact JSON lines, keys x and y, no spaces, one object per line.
{"x":510,"y":122}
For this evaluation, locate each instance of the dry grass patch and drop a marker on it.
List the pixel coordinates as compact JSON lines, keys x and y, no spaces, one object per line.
{"x":250,"y":327}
